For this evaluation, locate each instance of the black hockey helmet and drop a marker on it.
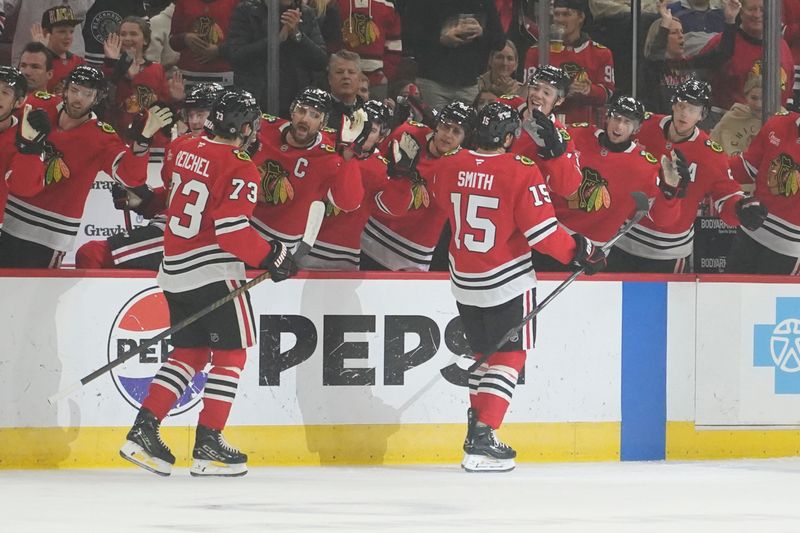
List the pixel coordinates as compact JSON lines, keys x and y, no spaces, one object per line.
{"x":202,"y":95}
{"x":231,"y":111}
{"x":316,"y":98}
{"x":379,"y":113}
{"x":458,"y":113}
{"x":14,"y":79}
{"x":495,"y":121}
{"x":555,"y":76}
{"x":695,"y":92}
{"x":87,"y":76}
{"x":626,"y":106}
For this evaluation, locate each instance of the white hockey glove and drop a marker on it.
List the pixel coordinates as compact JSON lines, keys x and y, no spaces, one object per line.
{"x":405,"y":155}
{"x":32,"y":131}
{"x":675,"y":175}
{"x":354,"y":131}
{"x":157,"y":117}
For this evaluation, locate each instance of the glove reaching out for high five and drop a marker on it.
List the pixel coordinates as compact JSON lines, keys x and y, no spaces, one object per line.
{"x":354,"y":131}
{"x":32,"y":131}
{"x":405,"y":154}
{"x":675,"y":175}
{"x":545,"y":135}
{"x":157,"y":117}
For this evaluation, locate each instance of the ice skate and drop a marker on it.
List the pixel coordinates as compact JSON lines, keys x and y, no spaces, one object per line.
{"x":485,"y":453}
{"x":213,"y":456}
{"x":472,"y":421}
{"x":144,"y":446}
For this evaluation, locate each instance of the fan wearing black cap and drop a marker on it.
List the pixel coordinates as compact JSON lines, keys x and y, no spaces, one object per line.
{"x":590,"y":65}
{"x":57,"y":32}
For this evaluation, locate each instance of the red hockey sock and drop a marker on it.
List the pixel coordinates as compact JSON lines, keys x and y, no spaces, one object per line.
{"x":94,"y":254}
{"x":220,"y":391}
{"x":173,"y":378}
{"x":496,"y":387}
{"x":474,"y":380}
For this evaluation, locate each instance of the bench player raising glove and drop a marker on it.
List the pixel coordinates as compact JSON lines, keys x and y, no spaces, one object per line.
{"x":545,"y":135}
{"x":405,"y":154}
{"x":675,"y":175}
{"x":354,"y":132}
{"x":32,"y":131}
{"x":143,"y":128}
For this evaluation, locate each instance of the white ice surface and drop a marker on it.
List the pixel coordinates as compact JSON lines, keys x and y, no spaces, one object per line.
{"x":733,"y":496}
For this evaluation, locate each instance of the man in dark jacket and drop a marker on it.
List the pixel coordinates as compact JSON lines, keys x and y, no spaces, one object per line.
{"x":302,"y":51}
{"x":451,"y":41}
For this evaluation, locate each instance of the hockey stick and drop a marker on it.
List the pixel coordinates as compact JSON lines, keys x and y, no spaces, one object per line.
{"x":126,"y":214}
{"x":642,"y":208}
{"x":316,"y":214}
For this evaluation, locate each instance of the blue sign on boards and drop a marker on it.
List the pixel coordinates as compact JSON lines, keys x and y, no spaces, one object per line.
{"x":778,"y":345}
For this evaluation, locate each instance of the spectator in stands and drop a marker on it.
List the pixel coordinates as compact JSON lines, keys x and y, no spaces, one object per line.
{"x":29,"y":12}
{"x":499,"y":79}
{"x":199,"y":30}
{"x":103,"y":18}
{"x":791,"y":32}
{"x":343,"y":73}
{"x":742,"y":121}
{"x":159,"y":50}
{"x":36,"y":64}
{"x":328,"y":20}
{"x":451,"y":41}
{"x":728,"y":81}
{"x":700,"y":22}
{"x":57,"y":32}
{"x":302,"y":51}
{"x":371,"y":28}
{"x":589,"y":64}
{"x":139,"y":83}
{"x":667,"y":65}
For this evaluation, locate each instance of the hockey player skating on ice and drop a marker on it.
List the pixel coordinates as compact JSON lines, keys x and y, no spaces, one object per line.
{"x":499,"y":208}
{"x":613,"y":167}
{"x":207,"y":242}
{"x":653,"y":247}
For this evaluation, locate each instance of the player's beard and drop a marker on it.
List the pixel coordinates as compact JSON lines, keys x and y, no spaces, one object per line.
{"x":302,"y":134}
{"x":75,"y":112}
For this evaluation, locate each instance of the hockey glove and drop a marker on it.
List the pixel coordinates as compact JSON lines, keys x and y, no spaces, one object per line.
{"x":545,"y":135}
{"x":675,"y":176}
{"x":404,"y":157}
{"x":354,"y":131}
{"x":121,"y":66}
{"x":137,"y":199}
{"x":279,"y":262}
{"x":157,"y":117}
{"x":32,"y":131}
{"x":751,"y":213}
{"x":588,"y":256}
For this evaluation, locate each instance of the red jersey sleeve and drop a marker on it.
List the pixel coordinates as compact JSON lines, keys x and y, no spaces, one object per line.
{"x":347,"y":188}
{"x":236,"y":194}
{"x":25,"y":175}
{"x":118,"y":160}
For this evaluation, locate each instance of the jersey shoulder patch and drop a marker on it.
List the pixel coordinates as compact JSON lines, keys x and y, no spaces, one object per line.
{"x":597,"y":45}
{"x":327,"y":148}
{"x":564,"y":134}
{"x":781,"y":113}
{"x":579,"y":125}
{"x":326,"y":129}
{"x":242,"y":155}
{"x":649,"y":157}
{"x":383,"y":160}
{"x":106,"y":127}
{"x":454,"y":151}
{"x":269,"y":118}
{"x":415,"y":123}
{"x":43,"y":95}
{"x":527,"y":161}
{"x":714,"y":145}
{"x":648,"y":115}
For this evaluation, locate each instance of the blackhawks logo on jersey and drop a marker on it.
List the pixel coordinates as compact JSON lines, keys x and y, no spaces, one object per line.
{"x":592,"y":195}
{"x":755,"y":70}
{"x":141,"y":98}
{"x":275,"y":183}
{"x":331,"y":210}
{"x":359,"y":30}
{"x":55,"y":167}
{"x":783,"y":177}
{"x":208,"y":30}
{"x":419,"y":195}
{"x":575,"y":71}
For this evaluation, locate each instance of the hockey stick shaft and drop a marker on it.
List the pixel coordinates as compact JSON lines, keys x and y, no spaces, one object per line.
{"x":642,"y":208}
{"x":126,"y":214}
{"x":315,"y":216}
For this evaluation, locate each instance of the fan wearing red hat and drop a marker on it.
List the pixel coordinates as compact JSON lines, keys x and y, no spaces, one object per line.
{"x":590,"y":65}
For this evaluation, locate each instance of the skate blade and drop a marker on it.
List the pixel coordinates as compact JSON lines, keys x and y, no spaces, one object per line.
{"x":483,"y":463}
{"x":208,"y":468}
{"x":136,"y":455}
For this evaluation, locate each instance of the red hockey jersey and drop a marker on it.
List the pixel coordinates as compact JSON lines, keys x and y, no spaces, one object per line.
{"x":371,"y":28}
{"x":587,"y":61}
{"x":52,"y":218}
{"x":603,"y":201}
{"x":710,"y":176}
{"x":338,"y":245}
{"x":214,"y":188}
{"x":772,"y":161}
{"x":499,"y":208}
{"x":21,"y":174}
{"x":407,"y":242}
{"x":209,"y":19}
{"x":292,"y":178}
{"x":563,"y":173}
{"x":729,"y":78}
